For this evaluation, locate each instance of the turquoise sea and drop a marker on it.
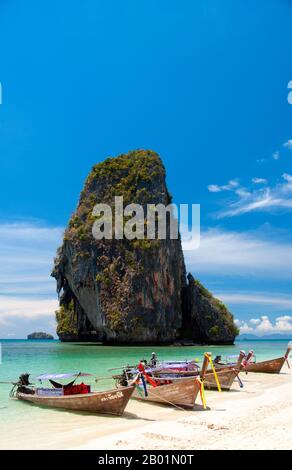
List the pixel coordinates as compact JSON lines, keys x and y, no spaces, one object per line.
{"x":37,"y":357}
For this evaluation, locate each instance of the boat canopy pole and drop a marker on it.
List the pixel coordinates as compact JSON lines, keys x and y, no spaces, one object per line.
{"x":287,"y":355}
{"x":240,"y":359}
{"x":205,"y":365}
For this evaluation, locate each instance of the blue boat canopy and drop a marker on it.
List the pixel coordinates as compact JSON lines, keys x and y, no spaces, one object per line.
{"x":63,"y":376}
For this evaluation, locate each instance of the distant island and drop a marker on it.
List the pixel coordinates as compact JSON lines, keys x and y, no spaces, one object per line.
{"x":39,"y":335}
{"x":274,"y":336}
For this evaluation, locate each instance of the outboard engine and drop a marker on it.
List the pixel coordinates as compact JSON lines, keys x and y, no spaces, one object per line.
{"x":24,"y":379}
{"x":124,"y":379}
{"x":22,"y":386}
{"x":24,"y":383}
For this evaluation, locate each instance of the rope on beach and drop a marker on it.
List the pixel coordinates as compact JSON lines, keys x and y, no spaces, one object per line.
{"x":103,"y":378}
{"x":167,"y":401}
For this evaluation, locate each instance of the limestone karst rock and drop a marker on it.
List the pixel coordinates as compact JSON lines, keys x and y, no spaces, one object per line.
{"x":128,"y":291}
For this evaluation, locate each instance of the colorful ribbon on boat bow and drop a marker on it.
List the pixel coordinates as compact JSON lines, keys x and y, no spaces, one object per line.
{"x":247,"y":359}
{"x":136,"y":381}
{"x":144,"y":385}
{"x":141,"y":369}
{"x":145,"y":377}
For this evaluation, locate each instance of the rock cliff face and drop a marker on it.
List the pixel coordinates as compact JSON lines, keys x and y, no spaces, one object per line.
{"x":130,"y":291}
{"x":206,"y":319}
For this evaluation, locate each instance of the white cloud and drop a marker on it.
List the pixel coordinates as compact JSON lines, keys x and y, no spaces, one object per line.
{"x":255,"y":321}
{"x":288,"y":144}
{"x":242,"y":192}
{"x":12,"y":308}
{"x":27,"y":251}
{"x":287,"y":177}
{"x":231,"y":184}
{"x":264,"y":325}
{"x":215,"y":188}
{"x":284,"y":323}
{"x":27,"y":232}
{"x":259,"y":181}
{"x":259,"y":199}
{"x":243,"y":326}
{"x":261,"y":298}
{"x":240,"y":254}
{"x":276,"y":155}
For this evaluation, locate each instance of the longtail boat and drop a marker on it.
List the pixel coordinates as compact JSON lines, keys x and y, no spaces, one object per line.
{"x":176,"y":367}
{"x":175,"y":391}
{"x":173,"y":370}
{"x":271,"y":366}
{"x":231,"y":363}
{"x":226,"y":379}
{"x":70,"y":396}
{"x":226,"y":374}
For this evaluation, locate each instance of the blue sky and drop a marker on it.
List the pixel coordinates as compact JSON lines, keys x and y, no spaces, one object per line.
{"x":203,"y":83}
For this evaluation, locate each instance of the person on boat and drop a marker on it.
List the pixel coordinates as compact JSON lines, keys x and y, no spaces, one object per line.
{"x":123,"y":381}
{"x":153,"y":360}
{"x":23,"y":385}
{"x":218,"y":360}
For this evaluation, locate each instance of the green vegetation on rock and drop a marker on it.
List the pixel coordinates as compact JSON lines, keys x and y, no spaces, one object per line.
{"x":224,"y":315}
{"x":214,"y":330}
{"x":66,"y":320}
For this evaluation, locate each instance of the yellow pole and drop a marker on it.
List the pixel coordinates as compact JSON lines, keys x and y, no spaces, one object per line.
{"x":214,"y":371}
{"x":202,"y":393}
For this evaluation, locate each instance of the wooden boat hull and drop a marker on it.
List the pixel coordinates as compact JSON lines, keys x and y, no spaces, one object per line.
{"x":272,"y":366}
{"x":111,"y":402}
{"x":181,"y":392}
{"x":226,"y":378}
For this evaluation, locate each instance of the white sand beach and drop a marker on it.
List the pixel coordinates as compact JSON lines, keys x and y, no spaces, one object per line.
{"x":259,"y":416}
